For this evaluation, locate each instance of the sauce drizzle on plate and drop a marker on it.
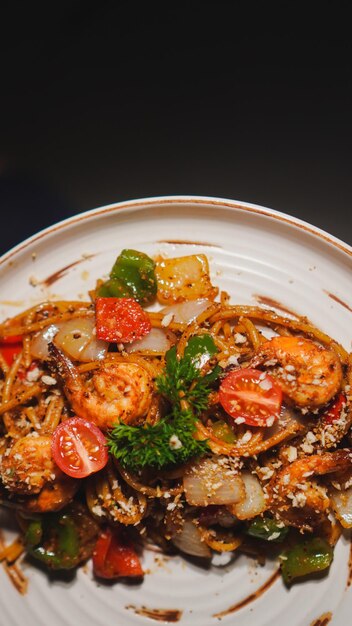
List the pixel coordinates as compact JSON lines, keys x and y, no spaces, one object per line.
{"x":274,"y":304}
{"x":338,"y":300}
{"x":253,"y":596}
{"x":323,"y":620}
{"x":159,"y":615}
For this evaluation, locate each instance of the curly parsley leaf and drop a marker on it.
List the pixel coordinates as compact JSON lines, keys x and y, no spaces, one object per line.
{"x":168,"y":442}
{"x":182,"y":378}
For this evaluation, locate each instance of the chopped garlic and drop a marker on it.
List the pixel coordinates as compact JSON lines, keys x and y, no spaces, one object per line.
{"x":48,"y":380}
{"x":265,"y":384}
{"x":175,"y":443}
{"x":291,"y":454}
{"x":239,"y":338}
{"x":33,"y":375}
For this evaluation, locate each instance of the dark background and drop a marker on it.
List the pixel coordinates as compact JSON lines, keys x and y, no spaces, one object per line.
{"x":108,"y":101}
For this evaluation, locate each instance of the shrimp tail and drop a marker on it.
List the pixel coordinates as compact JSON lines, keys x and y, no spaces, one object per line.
{"x":64,"y":367}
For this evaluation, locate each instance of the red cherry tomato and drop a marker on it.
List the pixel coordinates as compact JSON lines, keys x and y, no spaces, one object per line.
{"x":10,"y":347}
{"x":251,"y":395}
{"x":79,"y":447}
{"x":115,"y":557}
{"x":121,"y":320}
{"x":333,"y":412}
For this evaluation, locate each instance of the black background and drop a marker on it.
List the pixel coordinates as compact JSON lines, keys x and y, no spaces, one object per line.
{"x":107,"y":101}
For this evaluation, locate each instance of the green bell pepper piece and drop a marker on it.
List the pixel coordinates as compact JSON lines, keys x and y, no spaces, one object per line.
{"x":114,"y":288}
{"x":199,"y":349}
{"x":68,"y":536}
{"x":306,"y":557}
{"x":136,"y":271}
{"x":61,"y":532}
{"x":34,"y":533}
{"x":223,"y":431}
{"x":268,"y":529}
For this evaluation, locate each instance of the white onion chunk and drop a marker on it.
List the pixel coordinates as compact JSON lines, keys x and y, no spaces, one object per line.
{"x":342,"y":505}
{"x":254,"y":502}
{"x":186,"y":312}
{"x":76,"y":337}
{"x":189,"y":540}
{"x":213,"y":481}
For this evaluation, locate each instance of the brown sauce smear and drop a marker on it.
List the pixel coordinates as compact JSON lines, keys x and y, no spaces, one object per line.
{"x":323,"y":620}
{"x":182,"y":242}
{"x":53,"y":278}
{"x":159,"y":615}
{"x":253,"y":596}
{"x":275,"y":304}
{"x":338,"y":300}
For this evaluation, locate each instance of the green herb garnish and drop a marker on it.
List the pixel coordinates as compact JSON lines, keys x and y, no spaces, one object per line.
{"x":182,"y":379}
{"x":168,"y":442}
{"x":171,"y":441}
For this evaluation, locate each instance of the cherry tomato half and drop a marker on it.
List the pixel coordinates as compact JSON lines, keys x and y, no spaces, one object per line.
{"x":251,"y":395}
{"x":79,"y":447}
{"x":115,"y":557}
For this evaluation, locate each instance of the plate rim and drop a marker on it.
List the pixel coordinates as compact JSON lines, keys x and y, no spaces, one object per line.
{"x":180,"y":199}
{"x":170,"y":201}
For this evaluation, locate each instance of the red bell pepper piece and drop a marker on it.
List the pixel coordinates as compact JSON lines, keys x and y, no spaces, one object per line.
{"x":333,"y":412}
{"x":120,"y":320}
{"x":10,"y":347}
{"x":114,"y":557}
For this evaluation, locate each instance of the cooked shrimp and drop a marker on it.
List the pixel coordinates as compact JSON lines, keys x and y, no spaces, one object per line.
{"x":28,"y":465}
{"x":54,"y":495}
{"x":296,"y":498}
{"x":309,"y":374}
{"x":116,"y":392}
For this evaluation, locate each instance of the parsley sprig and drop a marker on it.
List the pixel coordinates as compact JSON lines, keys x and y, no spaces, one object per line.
{"x":171,"y":440}
{"x":151,"y":446}
{"x":182,"y":380}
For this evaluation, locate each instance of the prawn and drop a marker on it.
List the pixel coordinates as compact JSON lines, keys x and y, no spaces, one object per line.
{"x":308,"y":374}
{"x":53,"y":496}
{"x":116,"y":392}
{"x":27,"y":466}
{"x":296,"y":498}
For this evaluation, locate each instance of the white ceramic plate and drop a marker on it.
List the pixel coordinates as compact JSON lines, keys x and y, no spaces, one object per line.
{"x":254,"y":253}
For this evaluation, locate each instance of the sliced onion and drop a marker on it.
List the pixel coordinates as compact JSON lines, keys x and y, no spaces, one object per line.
{"x":157,"y":340}
{"x":342,"y":505}
{"x":220,"y":515}
{"x":40,"y":341}
{"x":213,"y":481}
{"x":76,"y":337}
{"x":95,"y":350}
{"x":186,"y":312}
{"x":254,"y":501}
{"x":189,"y":540}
